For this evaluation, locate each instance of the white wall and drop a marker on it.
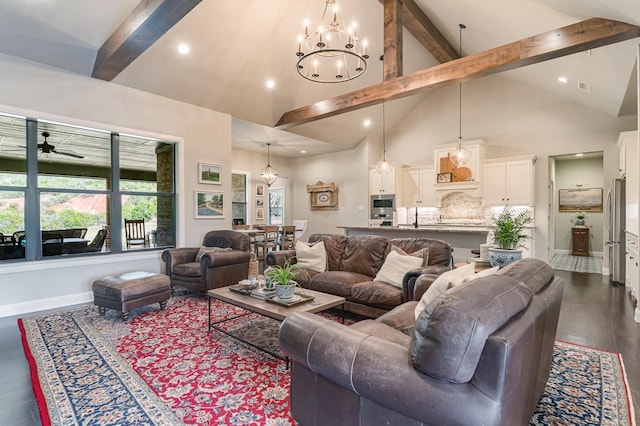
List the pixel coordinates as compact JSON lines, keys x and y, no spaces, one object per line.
{"x":587,"y":173}
{"x":204,"y":135}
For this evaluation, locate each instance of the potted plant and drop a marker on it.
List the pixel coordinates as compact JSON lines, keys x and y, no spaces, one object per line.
{"x":580,"y":216}
{"x":283,"y":279}
{"x":509,"y":236}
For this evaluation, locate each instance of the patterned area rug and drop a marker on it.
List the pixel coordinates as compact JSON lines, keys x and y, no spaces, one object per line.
{"x":566,"y":262}
{"x":164,"y":368}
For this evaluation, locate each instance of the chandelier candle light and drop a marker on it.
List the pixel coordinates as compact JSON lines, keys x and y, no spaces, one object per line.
{"x":333,"y":53}
{"x":269,"y":174}
{"x":461,"y":155}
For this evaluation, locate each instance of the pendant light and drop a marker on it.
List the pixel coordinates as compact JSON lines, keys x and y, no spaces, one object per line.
{"x":461,"y":155}
{"x":383,"y":166}
{"x":269,"y":174}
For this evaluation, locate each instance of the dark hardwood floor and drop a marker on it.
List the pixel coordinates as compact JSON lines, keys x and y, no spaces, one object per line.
{"x":594,"y":313}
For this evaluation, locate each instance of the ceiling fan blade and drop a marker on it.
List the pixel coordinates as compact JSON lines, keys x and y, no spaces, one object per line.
{"x":68,"y":154}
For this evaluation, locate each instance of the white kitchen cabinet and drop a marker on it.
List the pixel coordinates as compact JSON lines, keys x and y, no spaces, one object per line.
{"x":628,"y":144}
{"x":508,"y":181}
{"x":387,"y":183}
{"x":632,"y":269}
{"x":419,"y":188}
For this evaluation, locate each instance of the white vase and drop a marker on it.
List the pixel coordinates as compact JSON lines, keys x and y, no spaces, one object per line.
{"x":501,"y":257}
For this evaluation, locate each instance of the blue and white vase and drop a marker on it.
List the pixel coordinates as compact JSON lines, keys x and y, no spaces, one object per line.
{"x":579,"y":222}
{"x":500,"y":257}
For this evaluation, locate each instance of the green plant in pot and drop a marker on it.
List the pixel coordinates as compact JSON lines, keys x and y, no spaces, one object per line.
{"x":509,"y":236}
{"x":283,"y":279}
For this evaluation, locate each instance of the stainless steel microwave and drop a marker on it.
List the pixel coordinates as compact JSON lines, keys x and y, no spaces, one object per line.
{"x":383,"y":206}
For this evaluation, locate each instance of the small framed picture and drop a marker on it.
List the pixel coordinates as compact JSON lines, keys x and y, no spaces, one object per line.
{"x":209,"y":173}
{"x":208,"y":205}
{"x":259,"y":214}
{"x":444,"y":177}
{"x":259,"y":202}
{"x":259,"y":190}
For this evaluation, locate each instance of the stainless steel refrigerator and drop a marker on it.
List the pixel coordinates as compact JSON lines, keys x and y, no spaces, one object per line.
{"x":615,"y":211}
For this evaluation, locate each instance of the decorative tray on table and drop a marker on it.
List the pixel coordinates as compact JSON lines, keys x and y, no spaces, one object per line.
{"x":295,"y":300}
{"x":242,"y":289}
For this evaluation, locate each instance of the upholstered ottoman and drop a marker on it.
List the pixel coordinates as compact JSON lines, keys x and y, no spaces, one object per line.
{"x":131,"y":290}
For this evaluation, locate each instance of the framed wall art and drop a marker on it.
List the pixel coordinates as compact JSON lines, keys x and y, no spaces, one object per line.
{"x":259,"y":214}
{"x":259,"y":202}
{"x":323,"y":196}
{"x":580,"y":199}
{"x":208,"y":204}
{"x":209,"y":173}
{"x":444,"y":177}
{"x":259,"y":190}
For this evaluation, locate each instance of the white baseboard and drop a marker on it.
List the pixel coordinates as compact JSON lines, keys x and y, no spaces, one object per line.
{"x":44,"y":304}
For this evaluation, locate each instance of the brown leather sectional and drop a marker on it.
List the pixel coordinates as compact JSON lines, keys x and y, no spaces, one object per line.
{"x":353,"y":262}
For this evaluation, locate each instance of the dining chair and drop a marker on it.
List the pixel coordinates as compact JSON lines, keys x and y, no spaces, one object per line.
{"x":52,"y":243}
{"x":287,"y":237}
{"x":241,"y":226}
{"x":98,"y":241}
{"x":301,"y":228}
{"x":268,"y":243}
{"x":134,"y":232}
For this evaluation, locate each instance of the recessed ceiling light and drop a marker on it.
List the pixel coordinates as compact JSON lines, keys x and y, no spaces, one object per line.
{"x":183,"y":48}
{"x":366,"y":123}
{"x":270,"y":84}
{"x":303,"y":152}
{"x":562,"y":79}
{"x":579,"y":155}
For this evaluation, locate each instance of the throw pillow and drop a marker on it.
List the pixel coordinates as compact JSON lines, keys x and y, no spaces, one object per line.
{"x":483,"y":273}
{"x":422,"y":253}
{"x":311,"y":256}
{"x":395,"y":266}
{"x":205,"y":249}
{"x":444,"y":282}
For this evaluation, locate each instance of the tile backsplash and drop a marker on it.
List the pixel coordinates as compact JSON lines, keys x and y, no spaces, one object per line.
{"x":457,"y":208}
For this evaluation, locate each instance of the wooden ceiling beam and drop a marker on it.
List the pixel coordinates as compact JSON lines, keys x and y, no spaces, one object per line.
{"x":392,"y":63}
{"x":149,"y":21}
{"x":423,"y":29}
{"x":589,"y":34}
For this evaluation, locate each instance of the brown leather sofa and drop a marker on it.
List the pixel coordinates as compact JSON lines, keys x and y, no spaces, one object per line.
{"x":215,"y":269}
{"x":482,"y":358}
{"x":353,"y":262}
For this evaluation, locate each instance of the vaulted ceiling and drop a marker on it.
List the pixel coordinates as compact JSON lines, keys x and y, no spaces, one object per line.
{"x":237,"y":45}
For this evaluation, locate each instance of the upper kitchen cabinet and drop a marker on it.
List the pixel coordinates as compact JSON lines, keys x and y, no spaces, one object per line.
{"x":419,"y":188}
{"x":509,"y":181}
{"x":470,"y":172}
{"x":386,"y":183}
{"x":629,"y":155}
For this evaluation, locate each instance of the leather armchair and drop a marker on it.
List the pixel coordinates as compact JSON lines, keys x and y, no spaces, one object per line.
{"x":216,"y":268}
{"x":482,"y":357}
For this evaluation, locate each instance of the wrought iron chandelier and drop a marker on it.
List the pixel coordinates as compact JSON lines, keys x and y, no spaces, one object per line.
{"x":269,"y":174}
{"x":333,"y":53}
{"x":461,"y":155}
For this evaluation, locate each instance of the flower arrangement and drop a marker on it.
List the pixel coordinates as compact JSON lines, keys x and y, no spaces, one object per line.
{"x":580,"y":215}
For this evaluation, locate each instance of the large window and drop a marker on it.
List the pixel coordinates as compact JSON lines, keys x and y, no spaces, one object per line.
{"x":276,"y":206}
{"x":67,"y":190}
{"x":239,"y":198}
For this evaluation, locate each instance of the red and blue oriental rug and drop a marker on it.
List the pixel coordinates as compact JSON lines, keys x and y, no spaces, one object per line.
{"x":165,"y":368}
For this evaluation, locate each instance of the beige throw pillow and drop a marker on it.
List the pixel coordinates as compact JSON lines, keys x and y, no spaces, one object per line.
{"x":205,"y":249}
{"x":311,"y":256}
{"x":422,"y":253}
{"x":444,"y":282}
{"x":464,"y":274}
{"x":395,"y":266}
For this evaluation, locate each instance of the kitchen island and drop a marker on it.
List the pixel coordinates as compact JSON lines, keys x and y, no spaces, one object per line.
{"x":462,"y":237}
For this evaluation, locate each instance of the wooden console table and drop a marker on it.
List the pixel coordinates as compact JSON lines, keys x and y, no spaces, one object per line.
{"x":580,"y":241}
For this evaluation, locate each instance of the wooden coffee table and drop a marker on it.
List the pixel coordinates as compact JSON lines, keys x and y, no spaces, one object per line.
{"x":321,"y":302}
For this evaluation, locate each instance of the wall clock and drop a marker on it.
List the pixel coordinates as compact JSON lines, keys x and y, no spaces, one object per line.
{"x":323,"y":196}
